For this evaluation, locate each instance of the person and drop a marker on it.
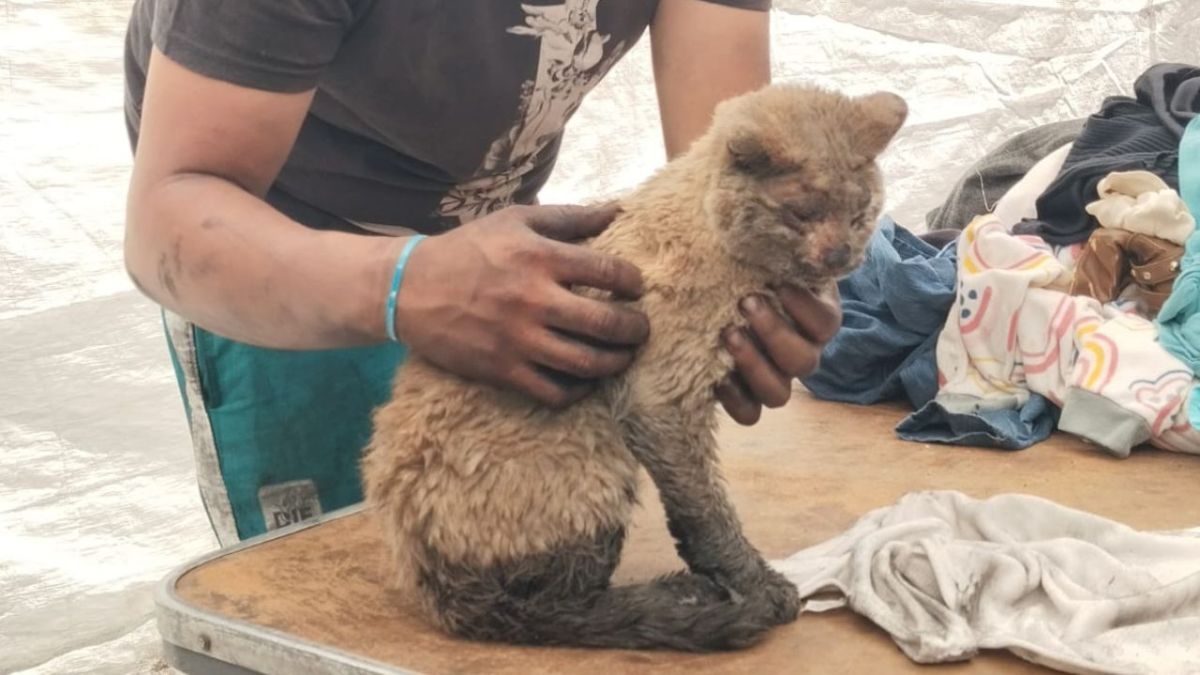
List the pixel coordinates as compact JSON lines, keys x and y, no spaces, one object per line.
{"x":288,"y":152}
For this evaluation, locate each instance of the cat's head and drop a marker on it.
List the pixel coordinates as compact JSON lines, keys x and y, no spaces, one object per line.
{"x":795,"y":189}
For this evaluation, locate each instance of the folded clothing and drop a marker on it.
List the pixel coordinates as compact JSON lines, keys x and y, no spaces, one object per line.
{"x":1004,"y":424}
{"x":1115,"y":259}
{"x":980,"y":187}
{"x":1125,"y":389}
{"x":1010,"y":335}
{"x":1173,"y":90}
{"x":1139,"y":201}
{"x":893,"y":307}
{"x":948,"y":576}
{"x":978,"y":351}
{"x":1127,"y":134}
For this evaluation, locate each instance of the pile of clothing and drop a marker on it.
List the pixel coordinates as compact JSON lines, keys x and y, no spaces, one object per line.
{"x":1057,"y":288}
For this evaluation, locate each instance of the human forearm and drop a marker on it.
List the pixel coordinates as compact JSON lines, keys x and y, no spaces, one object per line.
{"x":205,"y":248}
{"x":703,"y":54}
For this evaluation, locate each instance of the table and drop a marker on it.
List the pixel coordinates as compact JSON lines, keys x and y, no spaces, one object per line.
{"x":310,"y":599}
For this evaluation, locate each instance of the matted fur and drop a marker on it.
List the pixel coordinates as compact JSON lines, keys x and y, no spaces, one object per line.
{"x":506,"y":518}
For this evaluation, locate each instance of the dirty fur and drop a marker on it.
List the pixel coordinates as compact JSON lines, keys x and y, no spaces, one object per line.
{"x":506,"y":519}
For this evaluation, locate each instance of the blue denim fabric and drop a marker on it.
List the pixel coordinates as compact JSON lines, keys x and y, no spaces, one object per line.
{"x":1007,"y":429}
{"x":893,"y":307}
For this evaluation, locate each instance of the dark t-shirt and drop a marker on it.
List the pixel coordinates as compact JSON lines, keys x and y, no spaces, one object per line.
{"x":428,"y":113}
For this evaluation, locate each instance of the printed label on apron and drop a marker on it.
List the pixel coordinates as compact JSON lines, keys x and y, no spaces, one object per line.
{"x":289,"y":503}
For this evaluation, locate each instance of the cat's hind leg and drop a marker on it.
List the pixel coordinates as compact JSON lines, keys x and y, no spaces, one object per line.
{"x":563,"y":597}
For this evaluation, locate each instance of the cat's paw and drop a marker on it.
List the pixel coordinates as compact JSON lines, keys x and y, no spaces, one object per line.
{"x":781,"y":594}
{"x":763,"y":585}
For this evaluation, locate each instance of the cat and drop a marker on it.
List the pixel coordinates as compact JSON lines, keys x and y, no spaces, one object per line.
{"x":506,"y":519}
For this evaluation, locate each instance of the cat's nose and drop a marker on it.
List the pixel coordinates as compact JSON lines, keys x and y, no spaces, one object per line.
{"x":837,"y":257}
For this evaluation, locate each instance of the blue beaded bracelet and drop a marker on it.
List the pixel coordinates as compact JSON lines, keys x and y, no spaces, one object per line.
{"x":397,"y":277}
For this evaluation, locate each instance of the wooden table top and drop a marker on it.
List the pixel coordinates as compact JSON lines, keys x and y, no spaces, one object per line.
{"x":802,"y":475}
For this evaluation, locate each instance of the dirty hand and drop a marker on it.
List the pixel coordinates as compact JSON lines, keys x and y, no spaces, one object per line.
{"x":490,"y":301}
{"x":774,"y":351}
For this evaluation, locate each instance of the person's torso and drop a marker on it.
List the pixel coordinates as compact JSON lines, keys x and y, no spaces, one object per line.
{"x":434,"y":113}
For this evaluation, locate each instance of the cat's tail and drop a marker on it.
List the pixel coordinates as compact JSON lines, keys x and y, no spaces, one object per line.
{"x":683,"y":611}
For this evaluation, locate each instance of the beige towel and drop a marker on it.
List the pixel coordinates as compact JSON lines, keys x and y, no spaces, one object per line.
{"x":948,"y":576}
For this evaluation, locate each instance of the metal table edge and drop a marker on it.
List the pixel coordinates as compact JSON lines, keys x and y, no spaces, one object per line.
{"x":244,"y":644}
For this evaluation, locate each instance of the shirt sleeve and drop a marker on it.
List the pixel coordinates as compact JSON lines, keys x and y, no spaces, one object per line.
{"x":274,"y":45}
{"x":761,"y":5}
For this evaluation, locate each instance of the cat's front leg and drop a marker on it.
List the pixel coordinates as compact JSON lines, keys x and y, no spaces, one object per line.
{"x":680,"y":456}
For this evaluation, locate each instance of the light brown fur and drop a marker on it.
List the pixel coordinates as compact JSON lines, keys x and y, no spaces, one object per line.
{"x":474,"y":484}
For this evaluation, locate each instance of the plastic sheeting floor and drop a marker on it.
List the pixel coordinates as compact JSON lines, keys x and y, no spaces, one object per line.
{"x":97,"y":499}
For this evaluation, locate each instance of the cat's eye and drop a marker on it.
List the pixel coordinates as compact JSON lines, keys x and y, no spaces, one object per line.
{"x":749,"y":156}
{"x":805,"y":213}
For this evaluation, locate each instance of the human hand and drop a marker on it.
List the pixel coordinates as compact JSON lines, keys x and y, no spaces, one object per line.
{"x":490,"y":301}
{"x":774,"y":351}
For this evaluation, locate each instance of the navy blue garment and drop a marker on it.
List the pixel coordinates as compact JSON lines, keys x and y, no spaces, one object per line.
{"x":1007,"y":429}
{"x":893,"y":309}
{"x":1127,"y":134}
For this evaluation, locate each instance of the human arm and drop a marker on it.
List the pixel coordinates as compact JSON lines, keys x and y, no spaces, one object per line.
{"x":705,"y":52}
{"x":202,"y":242}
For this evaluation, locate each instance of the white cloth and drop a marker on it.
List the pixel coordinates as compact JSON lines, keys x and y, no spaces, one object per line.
{"x":1140,"y":201}
{"x":948,"y":576}
{"x":1020,"y":202}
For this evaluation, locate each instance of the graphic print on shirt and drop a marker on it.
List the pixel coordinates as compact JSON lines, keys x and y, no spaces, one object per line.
{"x":571,"y":62}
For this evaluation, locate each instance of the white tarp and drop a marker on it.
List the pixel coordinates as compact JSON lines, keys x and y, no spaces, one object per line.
{"x":97,"y":499}
{"x":974,"y":72}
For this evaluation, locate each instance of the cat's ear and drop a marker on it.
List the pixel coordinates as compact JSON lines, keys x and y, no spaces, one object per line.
{"x":880,"y":116}
{"x":748,"y":153}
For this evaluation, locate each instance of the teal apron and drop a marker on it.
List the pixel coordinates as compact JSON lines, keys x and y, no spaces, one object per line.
{"x":284,"y":429}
